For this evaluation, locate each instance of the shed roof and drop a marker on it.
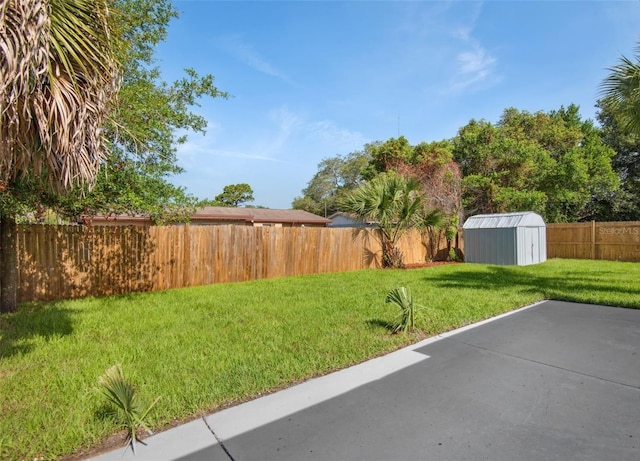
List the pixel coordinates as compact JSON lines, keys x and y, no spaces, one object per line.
{"x":504,"y":220}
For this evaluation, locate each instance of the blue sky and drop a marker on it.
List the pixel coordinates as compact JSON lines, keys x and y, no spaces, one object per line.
{"x":311,"y":80}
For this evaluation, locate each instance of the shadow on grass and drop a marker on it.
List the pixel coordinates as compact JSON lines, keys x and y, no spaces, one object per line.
{"x":575,"y":285}
{"x":379,"y":323}
{"x":17,"y":329}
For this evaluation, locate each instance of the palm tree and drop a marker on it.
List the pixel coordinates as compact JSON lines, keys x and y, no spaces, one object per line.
{"x":394,"y":204}
{"x":621,"y":90}
{"x":58,"y":74}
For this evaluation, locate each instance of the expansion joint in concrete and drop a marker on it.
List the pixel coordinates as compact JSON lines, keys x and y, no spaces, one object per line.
{"x":220,"y":442}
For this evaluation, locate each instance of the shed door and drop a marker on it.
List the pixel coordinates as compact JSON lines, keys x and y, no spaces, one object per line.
{"x":531,"y":246}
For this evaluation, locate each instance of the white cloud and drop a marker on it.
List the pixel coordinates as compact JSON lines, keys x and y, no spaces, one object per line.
{"x":285,"y":120}
{"x":339,"y":138}
{"x":285,"y":137}
{"x":267,"y":146}
{"x":449,"y":46}
{"x":245,"y":53}
{"x":476,"y":62}
{"x":474,"y":66}
{"x":193,"y":155}
{"x":295,"y":129}
{"x":464,"y":31}
{"x":287,"y":124}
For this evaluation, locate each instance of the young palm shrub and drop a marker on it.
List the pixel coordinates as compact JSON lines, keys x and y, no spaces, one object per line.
{"x":121,"y":393}
{"x":394,"y":204}
{"x":402,"y":298}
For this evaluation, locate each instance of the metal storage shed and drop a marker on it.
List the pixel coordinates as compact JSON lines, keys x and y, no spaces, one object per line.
{"x":509,"y":239}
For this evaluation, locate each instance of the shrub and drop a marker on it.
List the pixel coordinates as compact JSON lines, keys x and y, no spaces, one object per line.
{"x":121,"y":393}
{"x":406,"y":321}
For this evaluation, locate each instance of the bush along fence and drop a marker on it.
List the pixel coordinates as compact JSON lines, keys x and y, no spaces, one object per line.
{"x":613,"y":241}
{"x":61,"y":262}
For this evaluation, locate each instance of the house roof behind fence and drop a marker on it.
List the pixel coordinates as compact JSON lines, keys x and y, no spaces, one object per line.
{"x":504,"y":221}
{"x":258,"y":215}
{"x":222,"y":214}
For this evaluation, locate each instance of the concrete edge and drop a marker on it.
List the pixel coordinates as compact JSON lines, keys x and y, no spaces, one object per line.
{"x":170,"y":444}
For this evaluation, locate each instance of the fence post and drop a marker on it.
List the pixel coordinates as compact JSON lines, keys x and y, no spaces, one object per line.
{"x":186,"y":259}
{"x":593,"y":240}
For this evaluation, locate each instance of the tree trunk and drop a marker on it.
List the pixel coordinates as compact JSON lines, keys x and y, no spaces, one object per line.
{"x":391,"y":256}
{"x":8,"y":264}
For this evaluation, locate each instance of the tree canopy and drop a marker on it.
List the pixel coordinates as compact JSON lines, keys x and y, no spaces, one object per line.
{"x":336,"y":177}
{"x":150,"y":120}
{"x":552,"y":163}
{"x":430,"y":164}
{"x":234,"y":195}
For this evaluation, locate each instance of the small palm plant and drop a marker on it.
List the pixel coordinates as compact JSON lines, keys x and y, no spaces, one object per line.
{"x":394,"y":204}
{"x":121,"y":393}
{"x":407,"y":318}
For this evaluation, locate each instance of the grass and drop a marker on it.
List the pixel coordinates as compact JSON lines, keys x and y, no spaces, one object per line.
{"x":205,"y":347}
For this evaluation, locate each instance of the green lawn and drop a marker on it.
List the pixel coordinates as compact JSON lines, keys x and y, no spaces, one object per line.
{"x":204,"y":347}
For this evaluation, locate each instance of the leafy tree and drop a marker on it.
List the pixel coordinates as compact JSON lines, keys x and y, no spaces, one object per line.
{"x":144,"y":126}
{"x":336,"y":177}
{"x":430,"y":164}
{"x":129,"y":187}
{"x":58,"y":73}
{"x":552,"y":163}
{"x":234,"y":195}
{"x":500,"y":173}
{"x":394,"y":204}
{"x":385,"y":156}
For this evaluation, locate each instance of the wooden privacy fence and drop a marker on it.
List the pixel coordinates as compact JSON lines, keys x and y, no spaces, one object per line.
{"x":614,"y":241}
{"x":60,"y":262}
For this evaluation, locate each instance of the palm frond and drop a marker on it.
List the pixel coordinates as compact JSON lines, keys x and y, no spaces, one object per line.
{"x":58,"y":75}
{"x":432,"y":219}
{"x":122,"y":395}
{"x":621,"y":89}
{"x":117,"y":390}
{"x":402,"y":298}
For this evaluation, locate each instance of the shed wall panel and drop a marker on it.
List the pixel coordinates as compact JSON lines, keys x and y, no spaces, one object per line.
{"x":506,"y":239}
{"x":491,"y":246}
